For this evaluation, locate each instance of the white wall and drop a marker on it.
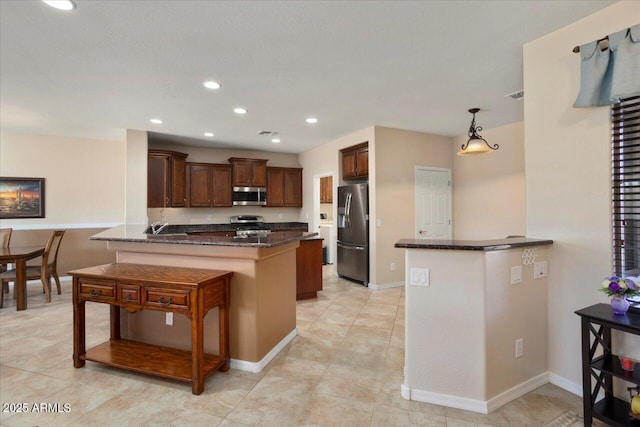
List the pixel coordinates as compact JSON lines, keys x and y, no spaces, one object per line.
{"x":489,"y":189}
{"x":568,"y":179}
{"x":84,"y":178}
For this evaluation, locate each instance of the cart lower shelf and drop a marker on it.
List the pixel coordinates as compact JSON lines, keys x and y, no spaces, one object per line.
{"x":150,"y":359}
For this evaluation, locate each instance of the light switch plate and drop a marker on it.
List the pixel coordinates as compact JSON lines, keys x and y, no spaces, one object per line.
{"x":169,"y":318}
{"x":419,"y":277}
{"x":516,"y":275}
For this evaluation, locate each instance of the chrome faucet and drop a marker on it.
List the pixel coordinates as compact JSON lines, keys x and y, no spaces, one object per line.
{"x":157,"y":227}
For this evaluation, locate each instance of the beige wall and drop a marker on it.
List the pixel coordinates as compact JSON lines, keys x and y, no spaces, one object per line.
{"x":489,"y":190}
{"x":460,"y":348}
{"x":136,"y":177}
{"x":397,"y":154}
{"x":84,"y":193}
{"x":568,"y":181}
{"x":84,"y":178}
{"x":325,"y":160}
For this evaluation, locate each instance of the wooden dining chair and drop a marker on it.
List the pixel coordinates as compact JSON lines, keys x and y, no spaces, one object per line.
{"x":5,"y":237}
{"x":42,"y":272}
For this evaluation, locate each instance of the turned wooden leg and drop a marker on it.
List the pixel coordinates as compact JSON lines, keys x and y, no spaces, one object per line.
{"x":20,"y":285}
{"x":78,"y":326}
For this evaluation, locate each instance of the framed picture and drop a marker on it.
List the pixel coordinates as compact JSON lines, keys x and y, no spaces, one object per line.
{"x":21,"y":198}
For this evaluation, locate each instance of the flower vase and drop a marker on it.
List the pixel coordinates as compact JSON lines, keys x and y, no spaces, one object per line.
{"x":620,"y":305}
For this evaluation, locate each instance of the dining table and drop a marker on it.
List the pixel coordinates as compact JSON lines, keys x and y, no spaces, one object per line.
{"x":19,"y":255}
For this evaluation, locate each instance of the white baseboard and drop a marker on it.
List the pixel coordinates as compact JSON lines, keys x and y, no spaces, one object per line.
{"x":565,"y":384}
{"x":517,"y":391}
{"x":375,"y":287}
{"x":444,"y":400}
{"x":474,"y":405}
{"x":243,"y":365}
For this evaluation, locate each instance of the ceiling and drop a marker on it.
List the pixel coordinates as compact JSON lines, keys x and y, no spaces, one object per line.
{"x":418,"y":65}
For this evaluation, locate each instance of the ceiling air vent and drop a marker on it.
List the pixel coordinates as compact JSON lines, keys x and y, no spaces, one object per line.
{"x":517,"y":95}
{"x":267,"y":132}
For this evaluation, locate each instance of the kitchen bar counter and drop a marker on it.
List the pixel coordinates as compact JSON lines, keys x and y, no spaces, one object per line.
{"x":471,"y":245}
{"x":178,"y":235}
{"x":262,"y":313}
{"x":469,"y":305}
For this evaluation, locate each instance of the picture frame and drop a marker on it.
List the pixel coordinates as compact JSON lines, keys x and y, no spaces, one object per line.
{"x":21,"y":198}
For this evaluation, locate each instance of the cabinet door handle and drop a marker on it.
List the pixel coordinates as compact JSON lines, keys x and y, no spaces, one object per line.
{"x":94,"y":293}
{"x":163,"y":302}
{"x":167,"y":200}
{"x":127,"y":297}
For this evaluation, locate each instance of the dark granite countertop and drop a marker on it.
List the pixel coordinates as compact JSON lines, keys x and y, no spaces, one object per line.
{"x":209,"y":228}
{"x":471,"y":245}
{"x":136,"y":234}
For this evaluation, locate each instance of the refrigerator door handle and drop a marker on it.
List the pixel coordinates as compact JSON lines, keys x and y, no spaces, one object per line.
{"x":348,"y":207}
{"x":355,"y":248}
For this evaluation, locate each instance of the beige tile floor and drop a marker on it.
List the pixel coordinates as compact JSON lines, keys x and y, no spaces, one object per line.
{"x":344,"y":369}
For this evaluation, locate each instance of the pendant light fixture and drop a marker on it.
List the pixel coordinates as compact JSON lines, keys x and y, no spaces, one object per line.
{"x":476,"y":143}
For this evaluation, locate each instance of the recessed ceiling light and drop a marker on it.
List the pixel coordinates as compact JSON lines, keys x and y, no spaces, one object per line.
{"x":240,"y":110}
{"x":312,"y":120}
{"x":156,"y":121}
{"x":61,"y":4}
{"x":275,"y":140}
{"x":209,"y":134}
{"x":212,"y":85}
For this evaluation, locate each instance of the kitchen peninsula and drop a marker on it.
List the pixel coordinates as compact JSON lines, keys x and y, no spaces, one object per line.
{"x":476,"y":321}
{"x":262,"y":314}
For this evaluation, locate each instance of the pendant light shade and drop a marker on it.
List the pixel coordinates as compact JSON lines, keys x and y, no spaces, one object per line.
{"x":476,"y":143}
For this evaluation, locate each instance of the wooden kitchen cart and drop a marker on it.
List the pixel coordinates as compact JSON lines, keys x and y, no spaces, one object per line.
{"x":598,"y":321}
{"x":133,"y":287}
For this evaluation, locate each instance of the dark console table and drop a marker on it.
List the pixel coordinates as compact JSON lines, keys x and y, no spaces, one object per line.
{"x":597,"y":322}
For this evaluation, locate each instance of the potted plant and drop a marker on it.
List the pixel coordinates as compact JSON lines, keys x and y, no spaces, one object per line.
{"x":619,"y":289}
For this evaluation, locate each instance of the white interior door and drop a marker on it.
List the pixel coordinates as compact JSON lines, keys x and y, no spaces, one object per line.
{"x":433,"y":203}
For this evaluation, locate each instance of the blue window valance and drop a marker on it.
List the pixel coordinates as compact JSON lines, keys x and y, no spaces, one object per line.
{"x":608,"y":75}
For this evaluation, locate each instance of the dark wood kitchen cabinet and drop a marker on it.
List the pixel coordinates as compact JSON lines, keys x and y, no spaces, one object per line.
{"x":249,"y":172}
{"x":209,"y":185}
{"x":355,"y":161}
{"x":284,"y":187}
{"x":308,"y":269}
{"x":326,"y":189}
{"x":166,"y":179}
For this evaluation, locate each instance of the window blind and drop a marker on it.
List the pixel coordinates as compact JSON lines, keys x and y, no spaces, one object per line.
{"x":625,"y":138}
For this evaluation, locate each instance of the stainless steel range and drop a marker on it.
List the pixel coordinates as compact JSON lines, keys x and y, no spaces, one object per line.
{"x":249,"y":226}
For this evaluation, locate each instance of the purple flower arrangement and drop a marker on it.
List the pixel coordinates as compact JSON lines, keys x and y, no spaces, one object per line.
{"x":615,"y":286}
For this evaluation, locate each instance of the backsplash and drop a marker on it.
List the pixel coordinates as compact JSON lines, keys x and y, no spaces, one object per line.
{"x":221,"y":215}
{"x":327,"y":208}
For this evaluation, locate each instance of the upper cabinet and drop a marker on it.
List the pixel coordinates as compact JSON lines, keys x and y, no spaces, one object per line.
{"x":209,"y":185}
{"x":326,"y":189}
{"x":249,"y":172}
{"x":166,"y":179}
{"x":355,"y":161}
{"x":284,"y":187}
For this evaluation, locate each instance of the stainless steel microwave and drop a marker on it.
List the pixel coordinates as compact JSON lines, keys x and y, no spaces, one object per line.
{"x":249,"y":196}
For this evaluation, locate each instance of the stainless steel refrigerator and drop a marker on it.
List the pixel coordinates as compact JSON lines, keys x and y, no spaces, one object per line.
{"x":353,"y":232}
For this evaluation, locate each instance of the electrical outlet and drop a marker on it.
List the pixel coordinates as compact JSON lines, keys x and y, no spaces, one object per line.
{"x":539,"y":269}
{"x":519,"y":347}
{"x":378,"y":222}
{"x":169,"y":318}
{"x":393,"y":266}
{"x":280,"y":216}
{"x":516,"y":275}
